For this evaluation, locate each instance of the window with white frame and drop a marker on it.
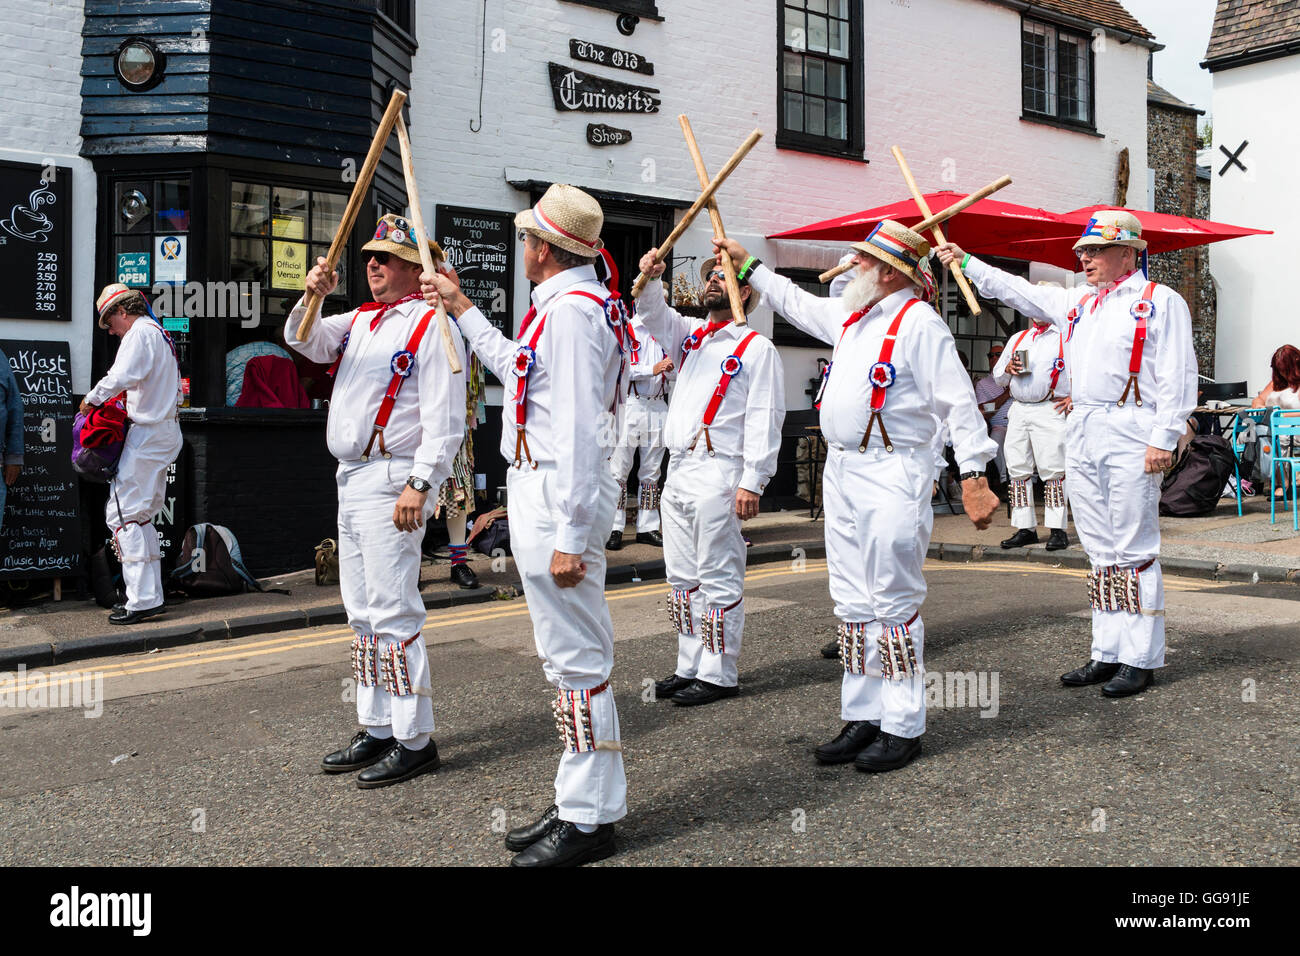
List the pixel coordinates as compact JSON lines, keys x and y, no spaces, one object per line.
{"x":1056,"y":71}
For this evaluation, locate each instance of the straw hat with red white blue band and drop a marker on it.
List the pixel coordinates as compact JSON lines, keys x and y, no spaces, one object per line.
{"x":709,"y":265}
{"x":1112,"y":227}
{"x":907,"y":251}
{"x":115,"y":295}
{"x":567,"y":217}
{"x":396,"y":235}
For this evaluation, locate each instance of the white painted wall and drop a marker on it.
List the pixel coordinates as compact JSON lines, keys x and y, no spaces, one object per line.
{"x":958,"y":122}
{"x":40,"y":115}
{"x":1256,"y":305}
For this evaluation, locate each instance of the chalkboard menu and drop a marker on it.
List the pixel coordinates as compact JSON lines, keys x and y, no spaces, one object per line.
{"x":480,"y":246}
{"x":41,"y":536}
{"x":35,"y":241}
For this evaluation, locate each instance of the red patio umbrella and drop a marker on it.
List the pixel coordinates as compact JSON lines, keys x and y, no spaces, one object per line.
{"x":987,"y":222}
{"x":1163,"y":233}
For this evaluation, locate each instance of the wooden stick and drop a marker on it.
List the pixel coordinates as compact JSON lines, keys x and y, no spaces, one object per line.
{"x":830,"y":274}
{"x":945,"y":214}
{"x":728,"y":267}
{"x":359,"y":190}
{"x":426,"y":257}
{"x":922,"y":205}
{"x":639,"y":286}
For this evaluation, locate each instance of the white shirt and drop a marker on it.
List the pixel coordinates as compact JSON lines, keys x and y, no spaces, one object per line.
{"x":571,"y":387}
{"x":1098,"y":351}
{"x":145,"y":368}
{"x":930,"y":379}
{"x":651,"y":353}
{"x":747,"y":425}
{"x":1034,"y":386}
{"x":427,"y":423}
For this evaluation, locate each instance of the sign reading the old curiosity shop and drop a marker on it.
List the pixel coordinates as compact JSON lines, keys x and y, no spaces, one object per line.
{"x":574,"y":90}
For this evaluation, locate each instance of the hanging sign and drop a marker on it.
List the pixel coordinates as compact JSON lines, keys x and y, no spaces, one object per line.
{"x":574,"y":90}
{"x":598,"y":134}
{"x":608,"y":56}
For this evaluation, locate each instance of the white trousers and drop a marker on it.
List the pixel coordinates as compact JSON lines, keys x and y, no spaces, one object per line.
{"x":704,"y":559}
{"x":1036,"y":442}
{"x":135,"y":496}
{"x":642,"y":429}
{"x":1116,"y":513}
{"x":574,"y":635}
{"x":878,"y":524}
{"x":379,"y":577}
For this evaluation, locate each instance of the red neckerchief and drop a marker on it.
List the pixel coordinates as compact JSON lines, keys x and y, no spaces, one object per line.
{"x":382,"y":307}
{"x":1102,"y":293}
{"x":696,"y":338}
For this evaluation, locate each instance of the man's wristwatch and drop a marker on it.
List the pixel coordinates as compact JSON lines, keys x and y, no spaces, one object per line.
{"x":967,"y":475}
{"x":419,"y":484}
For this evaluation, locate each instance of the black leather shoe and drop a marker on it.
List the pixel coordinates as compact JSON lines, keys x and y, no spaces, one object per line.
{"x":615,"y":542}
{"x":1058,"y":540}
{"x":831,"y":651}
{"x":1127,"y":681}
{"x":702,"y":692}
{"x":565,"y":845}
{"x":888,"y":752}
{"x":463,"y":575}
{"x":123,"y":616}
{"x":1023,"y":537}
{"x":650,"y":537}
{"x":1093,"y":672}
{"x":521,"y":838}
{"x":359,"y":754}
{"x":400,"y":764}
{"x":670,"y":685}
{"x":856,"y":737}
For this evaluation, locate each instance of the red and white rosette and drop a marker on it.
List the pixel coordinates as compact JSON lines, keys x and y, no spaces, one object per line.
{"x":1143,"y":309}
{"x":524,"y":360}
{"x":1058,"y":364}
{"x":882,"y":374}
{"x":731,"y":365}
{"x":402,"y":363}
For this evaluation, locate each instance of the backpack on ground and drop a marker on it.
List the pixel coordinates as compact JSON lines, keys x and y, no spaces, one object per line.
{"x":98,"y":437}
{"x":1193,"y":487}
{"x":210,"y":564}
{"x":106,"y":582}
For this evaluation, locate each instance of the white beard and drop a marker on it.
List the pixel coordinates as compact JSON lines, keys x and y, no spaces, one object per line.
{"x":862,"y":292}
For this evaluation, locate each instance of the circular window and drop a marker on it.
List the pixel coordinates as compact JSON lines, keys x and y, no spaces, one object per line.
{"x":139,"y":64}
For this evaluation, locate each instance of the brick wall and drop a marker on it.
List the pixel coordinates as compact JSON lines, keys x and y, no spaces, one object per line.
{"x":40,"y":114}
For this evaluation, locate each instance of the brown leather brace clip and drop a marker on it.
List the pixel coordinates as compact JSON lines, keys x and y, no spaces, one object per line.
{"x":876,"y":417}
{"x":521,"y":448}
{"x":1137,"y":393}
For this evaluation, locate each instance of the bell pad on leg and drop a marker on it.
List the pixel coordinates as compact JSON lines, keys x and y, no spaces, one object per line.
{"x":897,"y":653}
{"x":853,"y":640}
{"x":679,"y":609}
{"x":573,"y":720}
{"x":713,"y":628}
{"x":365,"y":660}
{"x":394,"y":670}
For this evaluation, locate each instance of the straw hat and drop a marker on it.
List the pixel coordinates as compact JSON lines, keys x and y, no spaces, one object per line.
{"x":1113,"y":227}
{"x":567,"y":217}
{"x":396,"y":235}
{"x":113,"y":296}
{"x":907,"y":251}
{"x":708,"y":265}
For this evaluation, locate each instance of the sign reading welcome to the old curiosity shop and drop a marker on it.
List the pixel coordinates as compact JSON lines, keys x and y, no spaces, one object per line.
{"x":575,"y":90}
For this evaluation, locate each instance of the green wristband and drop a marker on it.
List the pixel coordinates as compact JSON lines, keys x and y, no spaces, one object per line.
{"x":964,"y":260}
{"x":750,"y":264}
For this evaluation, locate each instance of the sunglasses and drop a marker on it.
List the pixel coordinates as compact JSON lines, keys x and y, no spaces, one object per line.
{"x":379,"y":257}
{"x":715,"y":274}
{"x":1091,"y":252}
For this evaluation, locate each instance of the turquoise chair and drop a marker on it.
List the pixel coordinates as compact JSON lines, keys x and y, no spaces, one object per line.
{"x":1241,"y":422}
{"x":1284,"y":424}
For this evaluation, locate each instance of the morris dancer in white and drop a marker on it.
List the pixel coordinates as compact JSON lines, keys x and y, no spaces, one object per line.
{"x":145,"y":368}
{"x":723,"y":434}
{"x":1036,"y":431}
{"x":889,"y":344}
{"x":646,"y":406}
{"x":1128,"y":343}
{"x":560,"y":376}
{"x":397,"y":414}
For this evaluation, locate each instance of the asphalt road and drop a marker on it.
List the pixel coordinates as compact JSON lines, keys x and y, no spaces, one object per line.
{"x":210,"y":754}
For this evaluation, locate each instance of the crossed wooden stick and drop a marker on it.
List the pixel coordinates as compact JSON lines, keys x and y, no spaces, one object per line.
{"x":392,"y":118}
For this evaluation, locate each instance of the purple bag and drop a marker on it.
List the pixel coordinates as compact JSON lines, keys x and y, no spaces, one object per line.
{"x":98,"y":437}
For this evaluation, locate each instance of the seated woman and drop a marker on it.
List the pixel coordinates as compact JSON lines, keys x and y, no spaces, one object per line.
{"x":1282,"y":391}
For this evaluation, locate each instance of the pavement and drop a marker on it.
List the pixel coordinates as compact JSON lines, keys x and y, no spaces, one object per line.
{"x":1222,"y":546}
